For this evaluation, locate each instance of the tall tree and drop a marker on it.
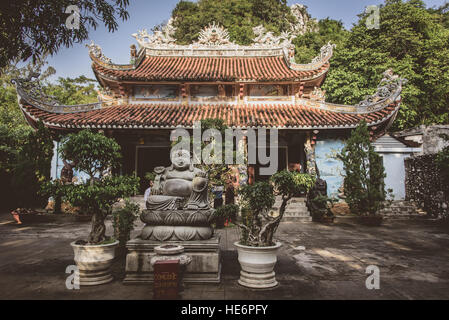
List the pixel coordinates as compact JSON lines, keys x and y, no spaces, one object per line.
{"x":70,"y":91}
{"x":415,"y":44}
{"x":238,"y":16}
{"x":31,"y":28}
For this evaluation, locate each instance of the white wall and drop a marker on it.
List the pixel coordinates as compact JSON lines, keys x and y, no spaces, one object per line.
{"x":395,"y":171}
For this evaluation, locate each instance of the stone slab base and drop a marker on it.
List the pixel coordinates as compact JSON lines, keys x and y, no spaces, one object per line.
{"x":204,"y":268}
{"x":93,"y":278}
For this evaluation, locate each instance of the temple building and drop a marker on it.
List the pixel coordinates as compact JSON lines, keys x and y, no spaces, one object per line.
{"x":168,"y":86}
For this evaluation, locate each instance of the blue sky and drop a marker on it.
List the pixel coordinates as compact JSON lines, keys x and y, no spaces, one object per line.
{"x":75,"y":61}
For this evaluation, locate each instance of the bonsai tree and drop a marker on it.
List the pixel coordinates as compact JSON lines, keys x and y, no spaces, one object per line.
{"x":96,"y":155}
{"x":123,"y":221}
{"x":258,"y":225}
{"x":364,"y":185}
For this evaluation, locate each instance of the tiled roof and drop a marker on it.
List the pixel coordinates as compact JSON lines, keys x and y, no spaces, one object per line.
{"x":243,"y":116}
{"x":211,"y":69}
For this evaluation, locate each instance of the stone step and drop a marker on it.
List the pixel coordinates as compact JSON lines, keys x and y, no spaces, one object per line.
{"x":296,"y":210}
{"x":403,"y":209}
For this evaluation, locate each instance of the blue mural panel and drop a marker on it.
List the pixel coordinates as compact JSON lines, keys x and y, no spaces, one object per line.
{"x":331,"y":169}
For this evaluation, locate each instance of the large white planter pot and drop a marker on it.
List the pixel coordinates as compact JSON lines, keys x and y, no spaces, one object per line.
{"x":94,"y":262}
{"x":257,"y":265}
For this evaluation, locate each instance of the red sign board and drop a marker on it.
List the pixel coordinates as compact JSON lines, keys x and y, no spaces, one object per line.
{"x":166,"y":280}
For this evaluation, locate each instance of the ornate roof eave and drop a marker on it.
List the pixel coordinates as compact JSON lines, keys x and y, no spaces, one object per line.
{"x":32,"y":92}
{"x":213,"y":42}
{"x":326,"y":53}
{"x":67,"y":126}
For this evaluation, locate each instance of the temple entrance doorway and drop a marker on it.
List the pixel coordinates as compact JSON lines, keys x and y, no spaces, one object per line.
{"x":148,"y":158}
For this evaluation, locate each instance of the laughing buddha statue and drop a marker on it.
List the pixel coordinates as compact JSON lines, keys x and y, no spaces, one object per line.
{"x":178,"y":206}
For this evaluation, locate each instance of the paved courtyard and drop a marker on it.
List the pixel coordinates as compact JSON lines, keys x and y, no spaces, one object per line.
{"x":315,"y":262}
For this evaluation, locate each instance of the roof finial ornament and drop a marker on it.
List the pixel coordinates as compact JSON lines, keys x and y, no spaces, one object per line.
{"x":264,"y":37}
{"x":326,"y":52}
{"x":390,"y":85}
{"x":165,"y":36}
{"x":214,"y":34}
{"x":95,"y":51}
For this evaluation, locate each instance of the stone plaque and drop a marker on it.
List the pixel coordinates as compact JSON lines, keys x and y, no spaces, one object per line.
{"x":166,"y":280}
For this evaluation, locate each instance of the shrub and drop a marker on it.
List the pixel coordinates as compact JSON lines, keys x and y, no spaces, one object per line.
{"x":123,"y":221}
{"x":258,"y":225}
{"x":364,"y":173}
{"x":33,"y":167}
{"x":226,"y":212}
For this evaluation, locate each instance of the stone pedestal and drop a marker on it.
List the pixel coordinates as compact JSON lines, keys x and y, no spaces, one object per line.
{"x":204,"y":268}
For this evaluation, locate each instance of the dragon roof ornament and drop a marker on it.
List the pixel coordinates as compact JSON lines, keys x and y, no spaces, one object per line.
{"x":33,"y":93}
{"x":165,"y":36}
{"x":325,"y":55}
{"x":95,"y":51}
{"x":389,"y":87}
{"x":267,"y":38}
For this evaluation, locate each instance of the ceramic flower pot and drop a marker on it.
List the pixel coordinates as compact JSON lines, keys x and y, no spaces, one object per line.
{"x":94,"y":262}
{"x":257,"y":266}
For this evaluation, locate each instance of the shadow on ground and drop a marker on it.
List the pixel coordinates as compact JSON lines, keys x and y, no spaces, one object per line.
{"x":315,"y":262}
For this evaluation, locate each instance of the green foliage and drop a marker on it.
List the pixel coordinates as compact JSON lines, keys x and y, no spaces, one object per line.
{"x":150,"y":176}
{"x":68,"y":91}
{"x":309,"y":44}
{"x":33,"y":28}
{"x":257,"y":197}
{"x":92,"y":153}
{"x":238,"y":16}
{"x":217,"y":172}
{"x":100,"y":195}
{"x":322,"y":205}
{"x":95,"y":154}
{"x":364,"y":173}
{"x":228,"y":211}
{"x":288,"y":184}
{"x":258,"y":226}
{"x":123,"y":221}
{"x":33,"y":167}
{"x":20,"y":156}
{"x":412,"y":41}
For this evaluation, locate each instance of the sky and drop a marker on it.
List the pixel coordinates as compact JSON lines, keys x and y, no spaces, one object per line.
{"x":144,"y":14}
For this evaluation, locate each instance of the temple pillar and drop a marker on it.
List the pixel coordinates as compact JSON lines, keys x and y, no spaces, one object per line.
{"x":241,"y":91}
{"x":184,"y":93}
{"x":309,"y":148}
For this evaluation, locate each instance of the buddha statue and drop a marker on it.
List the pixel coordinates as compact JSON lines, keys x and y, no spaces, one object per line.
{"x":178,"y":206}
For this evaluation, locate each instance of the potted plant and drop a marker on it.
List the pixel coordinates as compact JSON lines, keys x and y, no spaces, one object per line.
{"x":96,"y":155}
{"x":257,"y":251}
{"x":225,"y":213}
{"x":321,"y":209}
{"x":364,"y":185}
